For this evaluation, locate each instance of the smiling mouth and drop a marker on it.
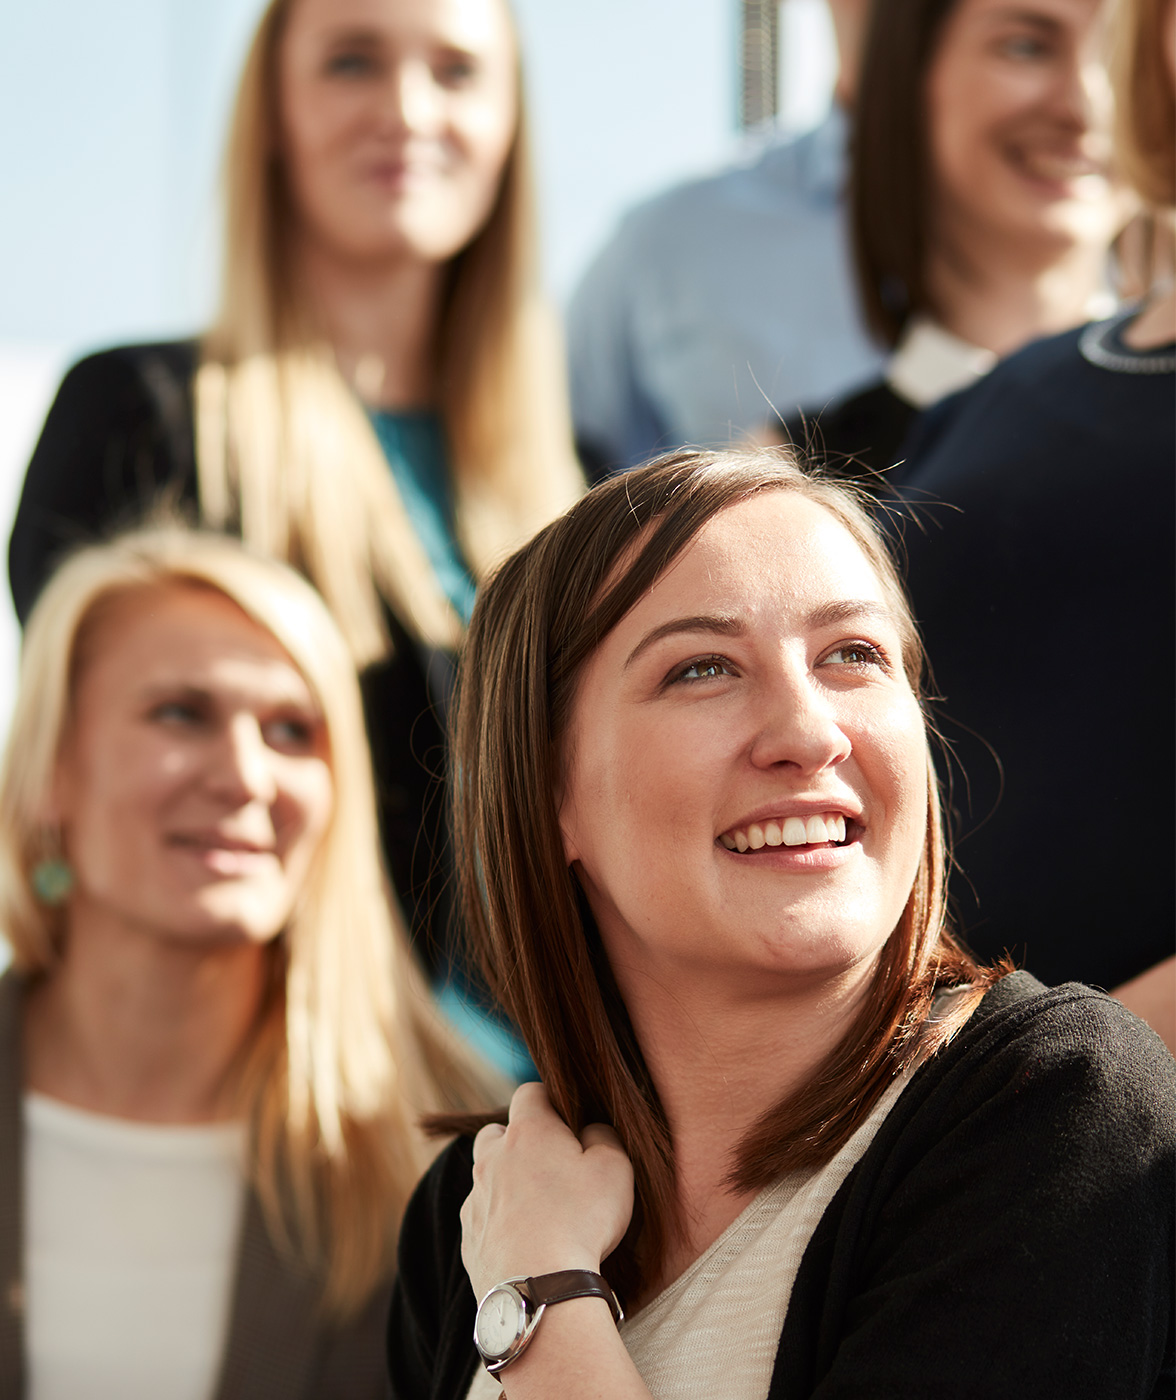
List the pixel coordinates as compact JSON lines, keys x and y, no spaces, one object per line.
{"x":826,"y":829}
{"x":1056,"y":167}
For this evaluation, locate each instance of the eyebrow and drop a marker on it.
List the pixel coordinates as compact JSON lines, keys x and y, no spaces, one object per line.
{"x":722,"y":625}
{"x":725,"y":625}
{"x":1014,"y":15}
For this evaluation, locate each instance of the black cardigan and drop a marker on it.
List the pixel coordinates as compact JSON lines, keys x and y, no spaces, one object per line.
{"x":1008,"y":1234}
{"x":119,"y":439}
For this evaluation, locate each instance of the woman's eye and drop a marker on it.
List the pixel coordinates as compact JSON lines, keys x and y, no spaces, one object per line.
{"x":856,"y":654}
{"x":350,"y":63}
{"x":178,"y":712}
{"x":1025,"y":48}
{"x":706,"y":668}
{"x":456,"y":71}
{"x":291,"y":732}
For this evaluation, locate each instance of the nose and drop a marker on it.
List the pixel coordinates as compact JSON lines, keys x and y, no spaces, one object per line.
{"x":1083,"y":95}
{"x":798,"y":727}
{"x":412,"y":102}
{"x":242,"y":770}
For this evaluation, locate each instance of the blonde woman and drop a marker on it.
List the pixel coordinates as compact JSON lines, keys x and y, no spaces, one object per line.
{"x":380,"y":401}
{"x":213,"y":1046}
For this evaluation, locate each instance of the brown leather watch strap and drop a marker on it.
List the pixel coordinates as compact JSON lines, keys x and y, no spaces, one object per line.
{"x":573,"y":1283}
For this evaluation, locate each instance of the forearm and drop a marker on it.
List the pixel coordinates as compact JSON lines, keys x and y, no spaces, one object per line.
{"x":575,"y":1354}
{"x":1152,"y":997}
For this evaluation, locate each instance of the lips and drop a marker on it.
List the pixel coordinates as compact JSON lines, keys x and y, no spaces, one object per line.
{"x":223,"y":854}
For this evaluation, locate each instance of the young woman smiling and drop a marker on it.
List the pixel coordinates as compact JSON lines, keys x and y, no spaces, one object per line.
{"x":213,"y":1046}
{"x":982,"y":204}
{"x":814,"y":1146}
{"x":380,"y":401}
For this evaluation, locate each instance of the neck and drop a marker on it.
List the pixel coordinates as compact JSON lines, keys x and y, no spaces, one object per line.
{"x":720,"y":1061}
{"x":135,"y":1025}
{"x":1155,"y":325}
{"x":1001,"y":309}
{"x":382,"y":320}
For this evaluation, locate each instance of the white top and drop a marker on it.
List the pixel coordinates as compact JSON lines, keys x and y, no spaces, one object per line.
{"x":715,"y":1330}
{"x":930,"y":362}
{"x":131,"y":1234}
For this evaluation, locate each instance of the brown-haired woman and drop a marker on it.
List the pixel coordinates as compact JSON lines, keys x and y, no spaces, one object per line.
{"x":981,"y":203}
{"x":815,"y":1147}
{"x":379,"y":401}
{"x":1056,"y":474}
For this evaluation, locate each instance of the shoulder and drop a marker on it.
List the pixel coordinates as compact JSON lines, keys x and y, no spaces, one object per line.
{"x":1061,"y":1083}
{"x":1019,"y":1199}
{"x":782,"y":174}
{"x":128,"y":367}
{"x":431,"y":1317}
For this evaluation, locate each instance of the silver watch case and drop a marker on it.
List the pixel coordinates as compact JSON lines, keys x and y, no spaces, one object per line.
{"x":499,"y":1352}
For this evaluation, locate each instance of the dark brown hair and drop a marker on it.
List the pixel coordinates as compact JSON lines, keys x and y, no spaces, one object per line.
{"x":890,"y":183}
{"x":536,"y":624}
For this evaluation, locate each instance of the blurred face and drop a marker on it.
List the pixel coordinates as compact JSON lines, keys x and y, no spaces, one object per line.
{"x":745,"y":781}
{"x":396,"y":119}
{"x":194,"y":787}
{"x":1019,"y":119}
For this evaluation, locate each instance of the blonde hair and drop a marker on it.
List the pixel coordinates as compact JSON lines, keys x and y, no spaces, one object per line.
{"x":348,"y":1050}
{"x":1145,"y":104}
{"x":284,"y":448}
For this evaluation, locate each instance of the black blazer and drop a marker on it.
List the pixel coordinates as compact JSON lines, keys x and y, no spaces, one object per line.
{"x":118,"y":441}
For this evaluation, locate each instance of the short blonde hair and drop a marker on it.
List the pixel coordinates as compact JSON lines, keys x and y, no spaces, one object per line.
{"x":349,"y":1051}
{"x":1145,"y":103}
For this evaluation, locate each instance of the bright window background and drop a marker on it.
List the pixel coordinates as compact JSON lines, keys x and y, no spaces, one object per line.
{"x":112,"y":114}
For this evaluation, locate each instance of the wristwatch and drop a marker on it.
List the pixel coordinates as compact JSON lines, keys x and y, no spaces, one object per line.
{"x":510,"y":1312}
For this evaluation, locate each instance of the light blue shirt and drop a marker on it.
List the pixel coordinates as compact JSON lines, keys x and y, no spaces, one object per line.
{"x":719,"y":303}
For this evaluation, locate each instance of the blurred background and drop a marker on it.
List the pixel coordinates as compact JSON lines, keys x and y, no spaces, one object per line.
{"x":112,"y":116}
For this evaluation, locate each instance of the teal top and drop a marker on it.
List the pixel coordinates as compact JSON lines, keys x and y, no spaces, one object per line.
{"x":414,"y":444}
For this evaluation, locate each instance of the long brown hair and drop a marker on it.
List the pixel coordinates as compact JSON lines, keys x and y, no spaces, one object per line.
{"x":536,"y":624}
{"x":890,"y":178}
{"x":348,"y":1049}
{"x":284,"y":449}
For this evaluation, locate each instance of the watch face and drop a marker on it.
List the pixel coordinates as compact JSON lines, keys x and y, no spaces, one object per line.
{"x":501,"y":1321}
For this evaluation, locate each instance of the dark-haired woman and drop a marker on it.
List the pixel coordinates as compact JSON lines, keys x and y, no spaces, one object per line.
{"x":813,"y":1146}
{"x":981,"y":203}
{"x":1060,"y":503}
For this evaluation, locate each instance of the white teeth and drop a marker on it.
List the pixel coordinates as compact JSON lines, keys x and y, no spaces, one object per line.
{"x":816,"y":830}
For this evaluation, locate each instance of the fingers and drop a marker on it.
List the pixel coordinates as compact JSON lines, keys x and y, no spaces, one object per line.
{"x":530,"y":1101}
{"x":484,"y":1137}
{"x":600,"y":1135}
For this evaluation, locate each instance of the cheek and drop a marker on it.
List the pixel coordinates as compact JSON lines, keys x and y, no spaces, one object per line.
{"x":308,"y":799}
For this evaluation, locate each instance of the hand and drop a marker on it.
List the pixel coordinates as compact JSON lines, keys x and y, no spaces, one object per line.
{"x":543,"y":1199}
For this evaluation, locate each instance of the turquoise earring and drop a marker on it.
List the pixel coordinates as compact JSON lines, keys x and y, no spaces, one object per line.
{"x":52,"y":880}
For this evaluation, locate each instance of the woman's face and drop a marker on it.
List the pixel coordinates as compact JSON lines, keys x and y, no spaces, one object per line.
{"x":1019,"y":116}
{"x":396,"y":119}
{"x":194,"y":786}
{"x":745,"y":769}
